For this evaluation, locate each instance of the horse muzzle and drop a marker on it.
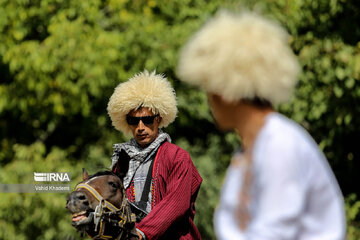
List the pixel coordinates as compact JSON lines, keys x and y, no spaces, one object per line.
{"x":78,"y":205}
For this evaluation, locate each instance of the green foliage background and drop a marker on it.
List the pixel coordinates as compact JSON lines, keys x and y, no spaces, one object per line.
{"x":60,"y":61}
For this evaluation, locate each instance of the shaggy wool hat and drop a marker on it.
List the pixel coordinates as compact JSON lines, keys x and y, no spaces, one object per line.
{"x":143,"y":90}
{"x":240,"y":56}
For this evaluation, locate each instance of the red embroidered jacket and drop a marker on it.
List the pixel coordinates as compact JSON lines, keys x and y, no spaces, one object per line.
{"x":176,"y":183}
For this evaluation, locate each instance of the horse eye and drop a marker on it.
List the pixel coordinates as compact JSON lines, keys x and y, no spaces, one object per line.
{"x":113,"y":184}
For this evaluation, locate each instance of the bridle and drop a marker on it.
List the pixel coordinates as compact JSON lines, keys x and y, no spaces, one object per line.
{"x":121,"y":219}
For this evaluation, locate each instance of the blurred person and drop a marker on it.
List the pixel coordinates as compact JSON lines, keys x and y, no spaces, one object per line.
{"x":162,"y":182}
{"x":280,"y":185}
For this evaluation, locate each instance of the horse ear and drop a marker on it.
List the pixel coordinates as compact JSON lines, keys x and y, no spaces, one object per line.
{"x":122,"y":165}
{"x":85,"y":174}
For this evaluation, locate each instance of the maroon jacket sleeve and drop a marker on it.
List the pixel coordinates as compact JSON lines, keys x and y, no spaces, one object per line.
{"x":176,"y":201}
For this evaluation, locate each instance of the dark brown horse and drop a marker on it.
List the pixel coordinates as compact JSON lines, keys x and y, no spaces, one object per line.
{"x":99,"y":206}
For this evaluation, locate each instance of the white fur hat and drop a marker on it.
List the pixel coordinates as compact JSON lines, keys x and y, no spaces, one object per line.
{"x":240,"y":56}
{"x":143,"y":90}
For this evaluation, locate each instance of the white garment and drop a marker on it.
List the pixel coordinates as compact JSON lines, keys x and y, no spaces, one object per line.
{"x":294,"y":194}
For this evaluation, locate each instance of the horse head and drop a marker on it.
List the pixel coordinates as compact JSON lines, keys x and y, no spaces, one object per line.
{"x":99,"y":206}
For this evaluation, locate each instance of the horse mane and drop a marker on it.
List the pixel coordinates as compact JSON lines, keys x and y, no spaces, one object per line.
{"x":101,"y":173}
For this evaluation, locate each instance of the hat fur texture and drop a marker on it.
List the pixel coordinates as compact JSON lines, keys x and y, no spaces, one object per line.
{"x":143,"y":90}
{"x":240,"y":56}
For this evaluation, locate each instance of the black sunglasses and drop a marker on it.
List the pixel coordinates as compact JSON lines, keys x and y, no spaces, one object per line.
{"x":147,"y":120}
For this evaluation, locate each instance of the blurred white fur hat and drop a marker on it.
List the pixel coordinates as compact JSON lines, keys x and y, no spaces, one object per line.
{"x":240,"y":56}
{"x":143,"y":90}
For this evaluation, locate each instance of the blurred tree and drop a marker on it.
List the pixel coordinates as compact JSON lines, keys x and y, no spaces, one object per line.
{"x":59,"y":63}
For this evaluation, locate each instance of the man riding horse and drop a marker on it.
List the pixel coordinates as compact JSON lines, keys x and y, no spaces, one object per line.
{"x":162,"y":182}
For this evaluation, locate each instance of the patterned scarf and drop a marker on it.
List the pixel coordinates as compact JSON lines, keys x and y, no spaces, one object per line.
{"x":137,"y":154}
